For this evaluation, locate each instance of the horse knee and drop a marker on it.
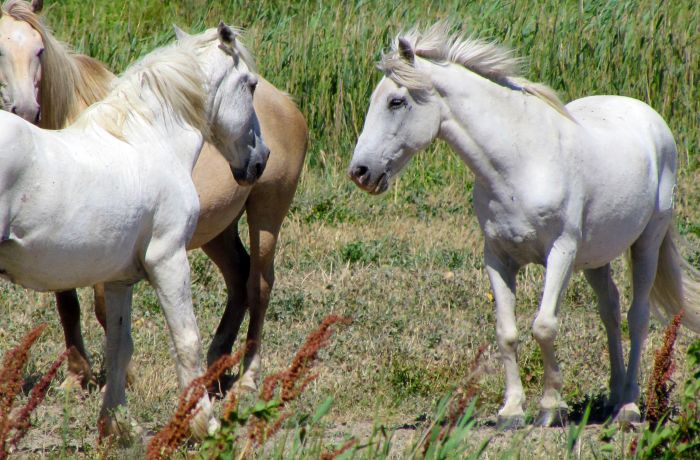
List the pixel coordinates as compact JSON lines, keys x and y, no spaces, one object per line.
{"x":544,"y":329}
{"x":507,"y":337}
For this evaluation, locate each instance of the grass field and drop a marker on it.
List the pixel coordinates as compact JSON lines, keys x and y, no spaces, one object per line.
{"x":406,"y":266}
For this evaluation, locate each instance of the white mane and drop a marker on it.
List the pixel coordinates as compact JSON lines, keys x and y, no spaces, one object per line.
{"x":487,"y":59}
{"x":172,"y":75}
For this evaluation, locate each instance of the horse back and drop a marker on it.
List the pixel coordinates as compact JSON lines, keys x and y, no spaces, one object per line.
{"x":614,"y":122}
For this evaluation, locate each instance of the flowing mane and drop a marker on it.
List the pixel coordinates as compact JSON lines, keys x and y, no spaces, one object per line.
{"x":488,"y":59}
{"x":171,"y":75}
{"x":70,"y":82}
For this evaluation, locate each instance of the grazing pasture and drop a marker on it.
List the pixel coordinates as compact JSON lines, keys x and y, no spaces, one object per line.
{"x":407,"y":265}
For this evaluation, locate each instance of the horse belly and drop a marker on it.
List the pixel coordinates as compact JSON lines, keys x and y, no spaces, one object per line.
{"x":43,"y":266}
{"x":606,"y":239}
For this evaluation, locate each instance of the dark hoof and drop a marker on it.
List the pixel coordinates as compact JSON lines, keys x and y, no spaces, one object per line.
{"x":510,"y":422}
{"x":220,"y":387}
{"x":552,"y":417}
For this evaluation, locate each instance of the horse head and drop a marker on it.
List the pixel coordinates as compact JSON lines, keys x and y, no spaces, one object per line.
{"x":231,"y":82}
{"x":21,"y":53}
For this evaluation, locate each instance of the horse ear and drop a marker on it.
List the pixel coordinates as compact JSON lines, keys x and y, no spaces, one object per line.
{"x":226,"y":34}
{"x":179,"y":33}
{"x":37,"y":5}
{"x":406,"y":50}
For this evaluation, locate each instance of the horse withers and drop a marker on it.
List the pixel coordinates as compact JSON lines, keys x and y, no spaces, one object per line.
{"x":569,"y":187}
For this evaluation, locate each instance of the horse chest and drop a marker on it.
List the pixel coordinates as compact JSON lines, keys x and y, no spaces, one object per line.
{"x":518,"y":227}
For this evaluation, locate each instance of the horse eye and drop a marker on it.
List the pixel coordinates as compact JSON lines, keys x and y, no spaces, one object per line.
{"x":40,"y":53}
{"x":397,"y":102}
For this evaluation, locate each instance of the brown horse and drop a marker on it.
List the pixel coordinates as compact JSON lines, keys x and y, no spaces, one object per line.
{"x":64,"y":83}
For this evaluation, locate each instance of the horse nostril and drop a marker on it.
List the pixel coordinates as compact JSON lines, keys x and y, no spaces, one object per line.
{"x":258,"y":169}
{"x":360,"y":171}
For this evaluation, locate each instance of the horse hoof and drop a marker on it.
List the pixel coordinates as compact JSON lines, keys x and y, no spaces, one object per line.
{"x":71,"y":381}
{"x":122,"y":428}
{"x":220,"y":387}
{"x":510,"y":422}
{"x":552,"y":417}
{"x":629,"y":413}
{"x":203,"y":425}
{"x":247,"y":383}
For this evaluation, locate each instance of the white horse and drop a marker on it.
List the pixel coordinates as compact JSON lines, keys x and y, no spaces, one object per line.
{"x":110,"y":198}
{"x":571,"y":188}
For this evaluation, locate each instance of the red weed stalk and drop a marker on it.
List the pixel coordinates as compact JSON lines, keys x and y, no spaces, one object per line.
{"x":660,"y":384}
{"x":164,"y":443}
{"x":294,"y":379}
{"x":10,"y":386}
{"x":21,"y":422}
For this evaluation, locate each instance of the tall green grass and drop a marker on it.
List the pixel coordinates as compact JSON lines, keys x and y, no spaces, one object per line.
{"x":324,"y":52}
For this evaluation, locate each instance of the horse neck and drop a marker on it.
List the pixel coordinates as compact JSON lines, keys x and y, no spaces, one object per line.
{"x":496,"y":130}
{"x":69,"y":84}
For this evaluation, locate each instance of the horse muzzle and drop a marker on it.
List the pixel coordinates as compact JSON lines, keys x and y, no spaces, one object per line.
{"x":259,"y":153}
{"x":373,"y":183}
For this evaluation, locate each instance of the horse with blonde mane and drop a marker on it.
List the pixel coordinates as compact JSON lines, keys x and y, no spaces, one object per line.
{"x":41,"y":73}
{"x":110,"y":199}
{"x":569,"y":187}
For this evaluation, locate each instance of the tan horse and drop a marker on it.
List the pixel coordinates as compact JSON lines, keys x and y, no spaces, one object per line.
{"x":45,"y":80}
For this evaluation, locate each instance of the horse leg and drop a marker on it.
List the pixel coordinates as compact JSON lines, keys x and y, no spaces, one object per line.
{"x":645,"y":254}
{"x":101,"y":316}
{"x":560,"y":260}
{"x":79,"y":368}
{"x":602,"y":283}
{"x":227,"y":252}
{"x":118,"y":354}
{"x":169,"y":273}
{"x":266,"y":208}
{"x":502,"y":277}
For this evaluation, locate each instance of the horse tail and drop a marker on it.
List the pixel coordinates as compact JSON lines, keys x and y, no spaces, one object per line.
{"x":677,"y":284}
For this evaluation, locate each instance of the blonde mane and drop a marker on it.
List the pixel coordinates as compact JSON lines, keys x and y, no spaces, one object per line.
{"x":487,"y":59}
{"x":70,"y":82}
{"x":172,"y":76}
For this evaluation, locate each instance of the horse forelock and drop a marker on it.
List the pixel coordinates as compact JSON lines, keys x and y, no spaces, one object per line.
{"x":202,"y":42}
{"x":69,"y":82}
{"x":172,"y":76}
{"x":488,"y":59}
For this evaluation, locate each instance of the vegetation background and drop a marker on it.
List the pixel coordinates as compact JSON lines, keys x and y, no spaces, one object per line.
{"x":407,"y":265}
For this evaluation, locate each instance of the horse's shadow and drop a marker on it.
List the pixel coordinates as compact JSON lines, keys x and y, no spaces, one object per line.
{"x":600,"y":412}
